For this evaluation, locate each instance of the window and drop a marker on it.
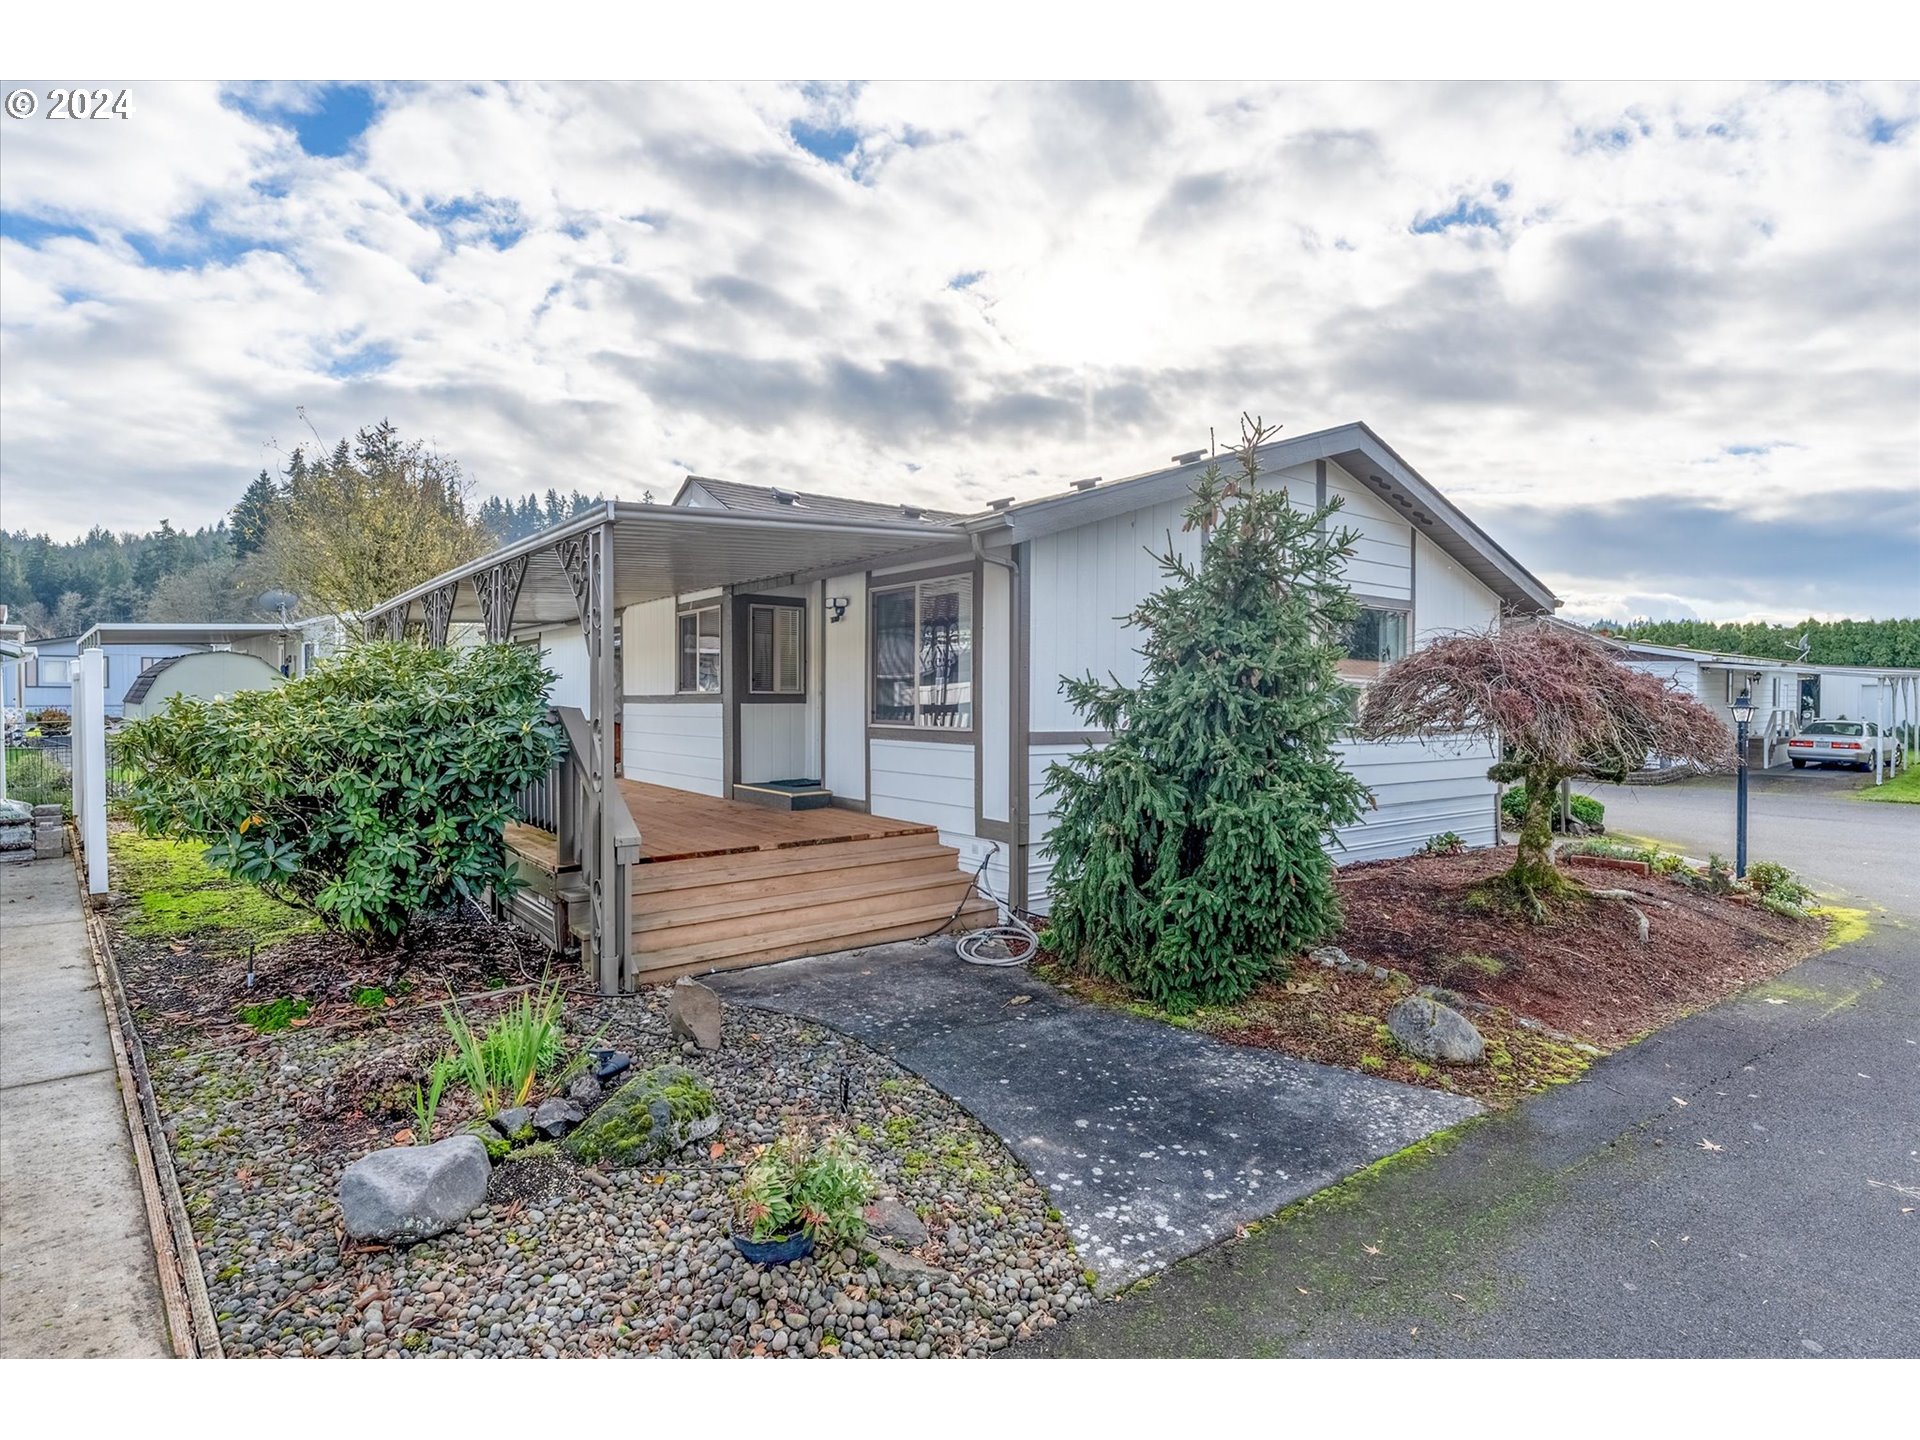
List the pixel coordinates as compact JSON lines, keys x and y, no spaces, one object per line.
{"x":55,"y":671}
{"x":923,"y":654}
{"x":699,"y":651}
{"x":1374,"y":641}
{"x":774,"y":653}
{"x":147,"y":662}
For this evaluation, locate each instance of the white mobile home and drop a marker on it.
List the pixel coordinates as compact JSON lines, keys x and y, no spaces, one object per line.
{"x":802,"y":678}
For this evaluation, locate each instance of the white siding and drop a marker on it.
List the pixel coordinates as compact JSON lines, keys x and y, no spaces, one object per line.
{"x":930,"y":783}
{"x":1684,"y":674}
{"x":1382,"y":562}
{"x":1083,"y":581}
{"x":846,"y":690}
{"x":1421,"y":789}
{"x":673,"y":744}
{"x":1447,"y":598}
{"x":563,"y":650}
{"x":773,"y":743}
{"x":646,"y":648}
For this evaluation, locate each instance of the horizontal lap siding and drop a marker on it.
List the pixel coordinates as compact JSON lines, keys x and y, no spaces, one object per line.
{"x":673,"y":745}
{"x":1421,"y":790}
{"x":931,"y":784}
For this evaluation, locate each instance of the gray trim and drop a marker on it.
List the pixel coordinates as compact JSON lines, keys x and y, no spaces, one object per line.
{"x":998,"y":830}
{"x":682,"y":609}
{"x":1320,"y":488}
{"x":866,"y":698}
{"x":1381,"y":602}
{"x":962,"y":563}
{"x":916,"y":734}
{"x":729,"y":710}
{"x":1020,"y":740}
{"x":979,"y":691}
{"x":1070,"y":737}
{"x":742,"y":614}
{"x":692,"y":697}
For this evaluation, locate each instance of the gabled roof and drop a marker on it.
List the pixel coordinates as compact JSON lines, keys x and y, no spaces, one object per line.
{"x":800,"y":504}
{"x":1357,"y":450}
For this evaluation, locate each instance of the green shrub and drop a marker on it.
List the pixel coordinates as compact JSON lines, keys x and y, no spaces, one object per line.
{"x":1587,"y":810}
{"x":1445,"y":843}
{"x":371,"y":791}
{"x":822,"y":1189}
{"x":1779,"y":889}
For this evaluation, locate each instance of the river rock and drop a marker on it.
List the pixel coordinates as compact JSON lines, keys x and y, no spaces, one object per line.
{"x":414,"y":1191}
{"x":888,"y":1219}
{"x":654,"y":1114}
{"x":1430,"y":1030}
{"x":693,"y":1013}
{"x":511,"y":1122}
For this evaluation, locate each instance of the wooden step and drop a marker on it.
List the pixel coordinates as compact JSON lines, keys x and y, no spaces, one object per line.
{"x":665,"y":965}
{"x":661,"y":875}
{"x":854,"y":907}
{"x":799,"y":886}
{"x":807,"y":936}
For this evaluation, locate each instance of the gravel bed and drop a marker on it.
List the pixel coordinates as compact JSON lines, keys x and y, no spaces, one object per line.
{"x":564,"y":1260}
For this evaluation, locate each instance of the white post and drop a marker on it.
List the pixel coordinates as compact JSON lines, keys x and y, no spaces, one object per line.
{"x":90,"y":765}
{"x":1880,"y":728}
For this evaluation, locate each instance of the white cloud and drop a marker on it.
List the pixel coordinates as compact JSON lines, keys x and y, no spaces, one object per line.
{"x":604,"y":286}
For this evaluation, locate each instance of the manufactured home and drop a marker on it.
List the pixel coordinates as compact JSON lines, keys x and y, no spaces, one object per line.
{"x":798,"y":722}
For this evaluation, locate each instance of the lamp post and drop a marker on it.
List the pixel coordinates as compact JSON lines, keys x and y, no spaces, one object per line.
{"x":1742,"y":717}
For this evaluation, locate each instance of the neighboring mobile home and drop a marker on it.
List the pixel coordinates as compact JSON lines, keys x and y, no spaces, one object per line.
{"x":898,"y":668}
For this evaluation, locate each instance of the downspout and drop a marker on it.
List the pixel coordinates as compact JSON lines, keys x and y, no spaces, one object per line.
{"x":1017,"y":748}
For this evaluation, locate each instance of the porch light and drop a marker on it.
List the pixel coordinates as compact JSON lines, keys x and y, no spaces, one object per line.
{"x":838,"y":604}
{"x":1743,"y":708}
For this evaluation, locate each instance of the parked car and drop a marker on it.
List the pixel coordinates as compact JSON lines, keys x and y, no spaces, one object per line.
{"x":1840,"y":742}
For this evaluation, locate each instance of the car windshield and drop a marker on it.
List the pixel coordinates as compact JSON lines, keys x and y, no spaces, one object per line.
{"x":1833,"y":727}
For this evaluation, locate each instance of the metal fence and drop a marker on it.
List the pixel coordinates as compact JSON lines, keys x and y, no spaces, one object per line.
{"x":40,"y":772}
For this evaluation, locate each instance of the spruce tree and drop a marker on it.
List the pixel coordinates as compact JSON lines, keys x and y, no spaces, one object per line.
{"x":248,"y":520}
{"x":1189,"y":857}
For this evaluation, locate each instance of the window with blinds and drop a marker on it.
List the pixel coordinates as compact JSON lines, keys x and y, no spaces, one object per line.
{"x":923,"y":654}
{"x":775,"y":650}
{"x":699,"y":651}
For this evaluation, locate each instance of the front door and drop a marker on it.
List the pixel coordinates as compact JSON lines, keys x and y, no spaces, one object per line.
{"x":770,"y":690}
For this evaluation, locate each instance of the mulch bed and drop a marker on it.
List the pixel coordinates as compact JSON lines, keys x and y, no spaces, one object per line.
{"x":1583,"y":971}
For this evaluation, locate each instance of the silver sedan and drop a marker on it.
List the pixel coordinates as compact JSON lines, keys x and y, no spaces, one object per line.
{"x":1839,"y":742}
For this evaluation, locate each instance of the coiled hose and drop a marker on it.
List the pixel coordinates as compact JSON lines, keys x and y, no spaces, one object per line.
{"x":1011,"y":943}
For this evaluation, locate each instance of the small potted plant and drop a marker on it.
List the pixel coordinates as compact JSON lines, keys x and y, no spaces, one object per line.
{"x":799,"y":1194}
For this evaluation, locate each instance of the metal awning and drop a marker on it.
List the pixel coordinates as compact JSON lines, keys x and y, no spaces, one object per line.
{"x":661,"y":551}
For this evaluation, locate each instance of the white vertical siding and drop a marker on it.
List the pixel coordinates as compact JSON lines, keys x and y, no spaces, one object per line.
{"x":845,"y":690}
{"x":1083,"y":582}
{"x":646,"y":648}
{"x":563,"y":650}
{"x":773,"y":743}
{"x":676,"y":745}
{"x":1447,"y":599}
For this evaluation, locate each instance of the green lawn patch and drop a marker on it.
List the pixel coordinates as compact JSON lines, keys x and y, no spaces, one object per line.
{"x":1903,"y":789}
{"x":179,"y":896}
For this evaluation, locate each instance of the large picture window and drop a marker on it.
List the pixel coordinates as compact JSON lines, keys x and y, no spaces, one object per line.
{"x":923,"y":654}
{"x":699,"y":651}
{"x":775,"y":653}
{"x":1376,"y":639}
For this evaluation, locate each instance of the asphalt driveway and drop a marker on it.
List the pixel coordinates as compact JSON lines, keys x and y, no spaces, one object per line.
{"x":1153,"y":1141}
{"x":1745,"y":1182}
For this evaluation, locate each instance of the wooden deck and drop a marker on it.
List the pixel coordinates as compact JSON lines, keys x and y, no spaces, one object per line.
{"x":679,"y":825}
{"x":721,"y":884}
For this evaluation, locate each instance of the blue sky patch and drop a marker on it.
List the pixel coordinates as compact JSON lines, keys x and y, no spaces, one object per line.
{"x":1743,"y":450}
{"x":327,"y":121}
{"x":28,"y":230}
{"x":1469,"y":213}
{"x":195,"y":242}
{"x":966,"y":279}
{"x":1883,"y":131}
{"x":831,"y":143}
{"x":360,"y":362}
{"x":471,"y":217}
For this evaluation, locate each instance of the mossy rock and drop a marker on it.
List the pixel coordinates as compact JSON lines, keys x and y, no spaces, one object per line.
{"x":648,"y":1118}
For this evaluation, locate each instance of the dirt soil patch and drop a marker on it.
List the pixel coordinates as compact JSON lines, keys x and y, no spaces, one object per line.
{"x":1585,"y":970}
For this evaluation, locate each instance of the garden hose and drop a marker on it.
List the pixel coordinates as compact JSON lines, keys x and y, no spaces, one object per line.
{"x":1012,"y":943}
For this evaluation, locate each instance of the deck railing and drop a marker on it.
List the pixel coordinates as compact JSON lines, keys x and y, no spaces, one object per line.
{"x":563,"y":802}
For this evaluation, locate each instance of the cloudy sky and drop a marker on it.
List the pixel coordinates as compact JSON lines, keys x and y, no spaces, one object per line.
{"x":1661,"y":341}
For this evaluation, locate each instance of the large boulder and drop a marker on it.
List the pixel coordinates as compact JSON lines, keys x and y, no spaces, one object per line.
{"x":693,"y":1013}
{"x":414,"y":1191}
{"x":647,"y":1119}
{"x":1429,"y":1030}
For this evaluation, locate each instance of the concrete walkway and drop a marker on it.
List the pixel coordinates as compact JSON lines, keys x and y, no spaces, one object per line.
{"x":1152,"y":1141}
{"x":77,"y":1273}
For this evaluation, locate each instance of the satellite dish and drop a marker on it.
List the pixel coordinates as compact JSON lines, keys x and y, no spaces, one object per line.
{"x":280,"y":602}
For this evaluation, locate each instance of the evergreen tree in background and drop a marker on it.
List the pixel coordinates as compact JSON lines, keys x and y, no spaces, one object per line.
{"x":247,"y":521}
{"x":1189,"y":852}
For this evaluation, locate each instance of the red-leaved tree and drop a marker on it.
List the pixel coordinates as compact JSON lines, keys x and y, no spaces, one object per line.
{"x":1558,"y":705}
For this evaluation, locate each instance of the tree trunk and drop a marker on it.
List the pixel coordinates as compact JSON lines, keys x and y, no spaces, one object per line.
{"x":1533,"y":879}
